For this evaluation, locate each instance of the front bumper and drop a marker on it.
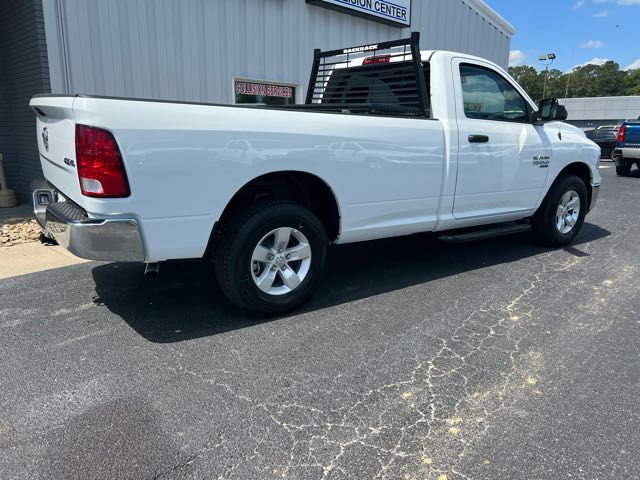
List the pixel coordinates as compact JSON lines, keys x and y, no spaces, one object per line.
{"x":595,"y":191}
{"x":116,"y":239}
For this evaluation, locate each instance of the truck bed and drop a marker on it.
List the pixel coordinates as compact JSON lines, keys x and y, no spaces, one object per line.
{"x":185,"y":161}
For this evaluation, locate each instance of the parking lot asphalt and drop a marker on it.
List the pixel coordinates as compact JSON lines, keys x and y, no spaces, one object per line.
{"x":416,"y":359}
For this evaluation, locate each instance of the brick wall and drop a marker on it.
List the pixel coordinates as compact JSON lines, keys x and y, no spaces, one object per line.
{"x":24,"y":72}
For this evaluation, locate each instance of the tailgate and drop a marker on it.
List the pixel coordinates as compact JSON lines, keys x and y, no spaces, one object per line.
{"x":55,"y":133}
{"x":632,"y":134}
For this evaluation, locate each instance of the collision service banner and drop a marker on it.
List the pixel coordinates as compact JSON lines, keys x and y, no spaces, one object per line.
{"x":263,"y":89}
{"x":389,"y":11}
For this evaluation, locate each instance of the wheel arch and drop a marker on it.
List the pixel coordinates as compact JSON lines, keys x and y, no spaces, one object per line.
{"x":302,"y":187}
{"x":581,"y":170}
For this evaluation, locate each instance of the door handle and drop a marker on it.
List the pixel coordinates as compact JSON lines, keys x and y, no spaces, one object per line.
{"x":478,"y":138}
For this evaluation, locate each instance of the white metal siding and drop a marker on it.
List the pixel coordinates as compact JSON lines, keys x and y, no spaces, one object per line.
{"x":192,"y":49}
{"x":602,"y":108}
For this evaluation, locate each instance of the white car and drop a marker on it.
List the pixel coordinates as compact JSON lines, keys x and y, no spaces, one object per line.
{"x":445,"y":141}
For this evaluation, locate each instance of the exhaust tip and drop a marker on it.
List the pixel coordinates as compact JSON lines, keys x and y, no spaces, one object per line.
{"x":151,"y":270}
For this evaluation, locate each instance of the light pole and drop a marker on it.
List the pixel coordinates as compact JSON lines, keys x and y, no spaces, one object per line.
{"x":548,"y":59}
{"x":566,"y":92}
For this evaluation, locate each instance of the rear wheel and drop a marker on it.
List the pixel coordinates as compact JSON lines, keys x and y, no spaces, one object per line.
{"x":269,"y":260}
{"x":562,"y":213}
{"x":623,"y":169}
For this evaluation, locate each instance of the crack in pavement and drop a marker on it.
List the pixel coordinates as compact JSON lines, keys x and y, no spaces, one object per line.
{"x":436,"y":412}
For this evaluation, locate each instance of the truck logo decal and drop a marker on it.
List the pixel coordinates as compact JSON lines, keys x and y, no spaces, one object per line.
{"x":541,"y":161}
{"x":366,"y":48}
{"x":45,"y":138}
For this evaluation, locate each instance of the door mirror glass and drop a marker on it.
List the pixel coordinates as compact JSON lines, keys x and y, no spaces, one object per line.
{"x":549,"y":110}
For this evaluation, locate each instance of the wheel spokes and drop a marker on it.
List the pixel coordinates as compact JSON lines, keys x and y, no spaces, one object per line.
{"x":289,"y":277}
{"x":299,"y":252}
{"x":573,"y":202}
{"x":262,"y":254}
{"x":282,"y":237}
{"x":277,"y":269}
{"x":266,"y":279}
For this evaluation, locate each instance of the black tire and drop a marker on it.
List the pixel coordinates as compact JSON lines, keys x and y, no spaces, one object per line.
{"x":543,"y":222}
{"x":624,"y":169}
{"x":240,"y":236}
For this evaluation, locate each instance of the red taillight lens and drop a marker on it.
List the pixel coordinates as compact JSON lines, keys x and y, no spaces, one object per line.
{"x":100,"y":166}
{"x":621,"y":134}
{"x":376,"y":60}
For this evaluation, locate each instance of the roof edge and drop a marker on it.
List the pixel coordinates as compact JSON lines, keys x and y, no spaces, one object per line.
{"x":627,"y":97}
{"x":481,"y":7}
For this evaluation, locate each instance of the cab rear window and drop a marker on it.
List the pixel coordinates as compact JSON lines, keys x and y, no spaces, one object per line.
{"x":388,"y":83}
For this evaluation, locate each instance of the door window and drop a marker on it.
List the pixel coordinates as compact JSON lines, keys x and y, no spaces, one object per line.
{"x":488,"y":96}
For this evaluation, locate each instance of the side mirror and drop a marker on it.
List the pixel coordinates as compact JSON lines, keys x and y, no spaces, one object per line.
{"x":549,"y":110}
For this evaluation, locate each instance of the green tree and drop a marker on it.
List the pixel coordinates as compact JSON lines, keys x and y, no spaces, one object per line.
{"x":631,"y":82}
{"x":609,"y":80}
{"x":556,"y":83}
{"x":585,"y":81}
{"x":529,"y":79}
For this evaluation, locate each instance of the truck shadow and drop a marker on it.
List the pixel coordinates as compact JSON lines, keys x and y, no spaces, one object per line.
{"x":185,"y":302}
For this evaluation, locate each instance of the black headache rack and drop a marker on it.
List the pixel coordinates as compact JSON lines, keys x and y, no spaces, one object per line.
{"x":392,"y":83}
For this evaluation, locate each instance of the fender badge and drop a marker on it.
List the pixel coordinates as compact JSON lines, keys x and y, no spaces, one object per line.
{"x":541,"y":161}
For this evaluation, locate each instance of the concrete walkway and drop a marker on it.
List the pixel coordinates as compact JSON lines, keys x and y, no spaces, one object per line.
{"x":33,"y":257}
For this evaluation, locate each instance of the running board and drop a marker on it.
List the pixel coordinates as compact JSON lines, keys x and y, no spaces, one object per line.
{"x":470,"y":236}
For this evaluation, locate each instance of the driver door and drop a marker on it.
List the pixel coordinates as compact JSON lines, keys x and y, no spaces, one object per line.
{"x":502,"y":159}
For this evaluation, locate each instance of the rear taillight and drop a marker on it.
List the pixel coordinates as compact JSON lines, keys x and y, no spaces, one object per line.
{"x":376,"y":60}
{"x":621,"y":134}
{"x":100,"y":166}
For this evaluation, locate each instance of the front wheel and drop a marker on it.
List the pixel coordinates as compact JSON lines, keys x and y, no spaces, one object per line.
{"x":270,"y":258}
{"x":562,"y":213}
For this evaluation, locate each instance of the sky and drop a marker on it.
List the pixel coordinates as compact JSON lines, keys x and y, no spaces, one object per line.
{"x":577,"y":31}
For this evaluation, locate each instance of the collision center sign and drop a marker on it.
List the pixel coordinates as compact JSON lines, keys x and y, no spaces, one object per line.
{"x":263,"y":89}
{"x":395,"y":12}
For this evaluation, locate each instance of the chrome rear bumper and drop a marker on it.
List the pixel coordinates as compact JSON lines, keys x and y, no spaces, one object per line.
{"x":117,"y":239}
{"x":628,"y":153}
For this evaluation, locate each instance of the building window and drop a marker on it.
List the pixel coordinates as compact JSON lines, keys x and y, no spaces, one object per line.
{"x":263,"y":93}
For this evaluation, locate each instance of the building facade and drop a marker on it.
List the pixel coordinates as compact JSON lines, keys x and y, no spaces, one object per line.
{"x":589,"y":113}
{"x":224,"y":51}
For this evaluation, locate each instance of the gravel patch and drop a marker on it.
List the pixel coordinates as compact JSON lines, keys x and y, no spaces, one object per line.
{"x":17,"y":232}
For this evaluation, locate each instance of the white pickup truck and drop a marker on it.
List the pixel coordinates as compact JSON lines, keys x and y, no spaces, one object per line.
{"x":387,"y":144}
